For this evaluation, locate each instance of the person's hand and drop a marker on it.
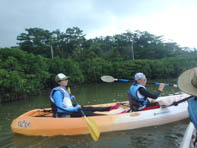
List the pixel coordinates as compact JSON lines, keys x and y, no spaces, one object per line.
{"x":72,"y":97}
{"x":77,"y":107}
{"x":151,"y":100}
{"x":161,"y":86}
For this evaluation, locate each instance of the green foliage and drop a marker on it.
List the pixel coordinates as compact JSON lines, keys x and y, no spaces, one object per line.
{"x":94,"y":68}
{"x":66,"y":66}
{"x":39,"y":42}
{"x":36,"y":41}
{"x":21,"y":73}
{"x":28,"y":69}
{"x":72,"y":43}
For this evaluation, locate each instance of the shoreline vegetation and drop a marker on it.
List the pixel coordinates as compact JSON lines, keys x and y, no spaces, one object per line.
{"x":31,"y":67}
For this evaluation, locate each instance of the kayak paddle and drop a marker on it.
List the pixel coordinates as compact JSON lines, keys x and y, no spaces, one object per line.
{"x":110,"y":79}
{"x":92,"y":126}
{"x":175,"y":103}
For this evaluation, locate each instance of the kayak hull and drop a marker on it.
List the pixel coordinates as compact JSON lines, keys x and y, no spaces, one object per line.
{"x":186,"y":142}
{"x":32,"y":123}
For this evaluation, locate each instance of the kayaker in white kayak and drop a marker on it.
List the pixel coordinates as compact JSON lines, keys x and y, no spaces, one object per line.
{"x":138,"y":95}
{"x":61,"y":101}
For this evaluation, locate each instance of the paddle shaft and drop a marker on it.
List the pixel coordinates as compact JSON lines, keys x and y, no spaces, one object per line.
{"x":69,"y":90}
{"x":80,"y":108}
{"x":178,"y":102}
{"x":155,"y":83}
{"x":92,"y":126}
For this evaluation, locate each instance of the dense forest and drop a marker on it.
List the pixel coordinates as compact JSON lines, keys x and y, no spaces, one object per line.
{"x":30,"y":67}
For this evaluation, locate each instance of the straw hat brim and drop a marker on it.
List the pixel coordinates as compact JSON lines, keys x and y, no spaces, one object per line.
{"x":184,"y":82}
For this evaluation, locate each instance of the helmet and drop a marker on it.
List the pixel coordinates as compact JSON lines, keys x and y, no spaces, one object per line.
{"x":60,"y":77}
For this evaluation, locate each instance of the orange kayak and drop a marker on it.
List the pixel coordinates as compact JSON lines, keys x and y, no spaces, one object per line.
{"x":39,"y":122}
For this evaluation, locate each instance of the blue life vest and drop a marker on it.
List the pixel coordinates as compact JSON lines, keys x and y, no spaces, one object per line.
{"x":133,"y":92}
{"x":66,"y":99}
{"x":192,"y":109}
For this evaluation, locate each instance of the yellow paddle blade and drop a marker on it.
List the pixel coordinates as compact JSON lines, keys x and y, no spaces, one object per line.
{"x":93,"y":128}
{"x":69,"y":90}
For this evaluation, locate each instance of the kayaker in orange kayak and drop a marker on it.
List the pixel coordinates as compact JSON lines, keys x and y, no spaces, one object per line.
{"x":61,"y":101}
{"x":138,"y":94}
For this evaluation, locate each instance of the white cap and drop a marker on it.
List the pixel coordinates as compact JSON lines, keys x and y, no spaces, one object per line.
{"x":139,"y":76}
{"x":60,"y":77}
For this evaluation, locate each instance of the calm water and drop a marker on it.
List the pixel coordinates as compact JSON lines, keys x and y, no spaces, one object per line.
{"x":169,"y":135}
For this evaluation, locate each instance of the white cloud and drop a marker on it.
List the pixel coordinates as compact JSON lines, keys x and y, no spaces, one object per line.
{"x":174,"y":19}
{"x":177,"y":24}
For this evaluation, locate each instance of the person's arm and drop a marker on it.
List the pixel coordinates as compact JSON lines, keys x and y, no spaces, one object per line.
{"x":58,"y":97}
{"x":146,"y":93}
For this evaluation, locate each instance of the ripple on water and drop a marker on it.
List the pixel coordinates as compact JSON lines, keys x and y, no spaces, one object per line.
{"x":5,"y":140}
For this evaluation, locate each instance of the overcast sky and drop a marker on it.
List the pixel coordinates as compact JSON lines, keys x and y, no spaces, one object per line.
{"x":176,"y":20}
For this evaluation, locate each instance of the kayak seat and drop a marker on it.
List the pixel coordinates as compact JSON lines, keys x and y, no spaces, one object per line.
{"x":134,"y":105}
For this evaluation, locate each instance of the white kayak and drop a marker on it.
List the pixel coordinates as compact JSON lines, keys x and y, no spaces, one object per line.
{"x":187,"y":139}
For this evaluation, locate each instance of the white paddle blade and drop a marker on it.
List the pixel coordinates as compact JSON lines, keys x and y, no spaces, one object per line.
{"x":108,"y":79}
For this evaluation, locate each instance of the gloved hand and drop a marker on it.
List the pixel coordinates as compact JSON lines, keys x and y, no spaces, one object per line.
{"x":76,"y":108}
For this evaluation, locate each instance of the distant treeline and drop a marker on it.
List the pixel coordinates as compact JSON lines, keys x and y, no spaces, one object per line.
{"x":29,"y":68}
